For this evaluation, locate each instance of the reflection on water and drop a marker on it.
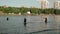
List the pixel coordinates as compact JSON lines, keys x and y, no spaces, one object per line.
{"x":34,"y":24}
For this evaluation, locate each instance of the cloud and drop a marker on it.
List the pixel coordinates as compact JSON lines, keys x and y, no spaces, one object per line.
{"x":37,"y":0}
{"x":42,"y":0}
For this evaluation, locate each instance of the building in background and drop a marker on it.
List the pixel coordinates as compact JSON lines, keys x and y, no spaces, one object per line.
{"x":5,"y":6}
{"x":44,"y":3}
{"x":56,"y":4}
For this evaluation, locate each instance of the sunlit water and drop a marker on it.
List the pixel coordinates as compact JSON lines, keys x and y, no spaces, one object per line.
{"x":15,"y":24}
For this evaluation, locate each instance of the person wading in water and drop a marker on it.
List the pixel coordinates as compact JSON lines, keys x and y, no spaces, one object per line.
{"x":7,"y":18}
{"x":45,"y":20}
{"x":25,"y":22}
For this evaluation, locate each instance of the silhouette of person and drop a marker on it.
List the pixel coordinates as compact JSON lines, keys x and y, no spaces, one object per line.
{"x":24,"y":21}
{"x":54,"y":11}
{"x":45,"y":20}
{"x":7,"y":19}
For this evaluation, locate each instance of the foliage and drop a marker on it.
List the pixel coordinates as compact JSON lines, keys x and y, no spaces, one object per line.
{"x":23,"y":10}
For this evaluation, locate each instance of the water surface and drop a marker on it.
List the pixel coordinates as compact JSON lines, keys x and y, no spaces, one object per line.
{"x":34,"y":24}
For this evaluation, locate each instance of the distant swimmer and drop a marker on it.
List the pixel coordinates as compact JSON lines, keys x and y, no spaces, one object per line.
{"x":7,"y":18}
{"x":25,"y":22}
{"x":46,"y":20}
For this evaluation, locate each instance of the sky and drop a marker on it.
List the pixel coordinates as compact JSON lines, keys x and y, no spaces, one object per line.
{"x":26,"y":3}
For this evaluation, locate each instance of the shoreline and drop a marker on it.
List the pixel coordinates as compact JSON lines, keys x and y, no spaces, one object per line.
{"x":28,"y":15}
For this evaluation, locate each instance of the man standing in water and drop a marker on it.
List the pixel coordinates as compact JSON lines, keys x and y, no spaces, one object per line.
{"x":7,"y":19}
{"x":45,"y":20}
{"x":24,"y":21}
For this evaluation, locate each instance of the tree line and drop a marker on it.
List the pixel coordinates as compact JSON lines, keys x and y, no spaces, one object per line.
{"x":23,"y":10}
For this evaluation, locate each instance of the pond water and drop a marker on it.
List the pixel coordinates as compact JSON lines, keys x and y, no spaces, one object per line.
{"x":15,"y":24}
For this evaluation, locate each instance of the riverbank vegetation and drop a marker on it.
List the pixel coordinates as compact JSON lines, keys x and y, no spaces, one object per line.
{"x":23,"y":10}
